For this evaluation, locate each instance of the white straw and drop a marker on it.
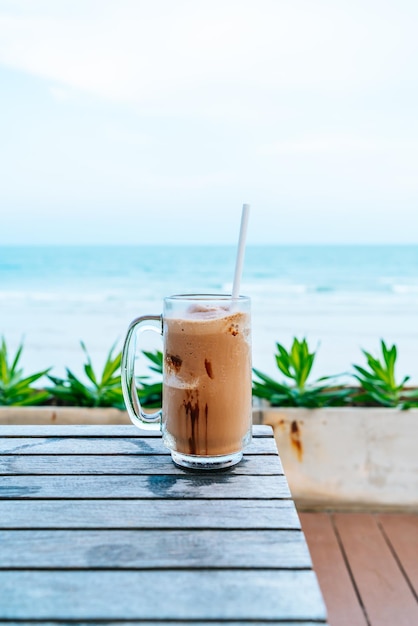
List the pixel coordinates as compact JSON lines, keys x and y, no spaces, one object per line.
{"x":241,"y":250}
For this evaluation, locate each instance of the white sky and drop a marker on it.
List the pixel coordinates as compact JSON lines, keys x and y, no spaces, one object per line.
{"x":134,"y":121}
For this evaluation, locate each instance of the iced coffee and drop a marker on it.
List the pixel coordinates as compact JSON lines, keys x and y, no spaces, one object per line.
{"x":207,"y":379}
{"x":206,"y":412}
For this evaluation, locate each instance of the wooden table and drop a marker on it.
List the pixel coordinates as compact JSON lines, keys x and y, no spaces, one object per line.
{"x":96,"y":523}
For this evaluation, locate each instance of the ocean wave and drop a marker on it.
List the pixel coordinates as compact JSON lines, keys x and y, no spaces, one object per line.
{"x":405,"y":289}
{"x":268,"y":287}
{"x":324,"y":289}
{"x":53,"y":296}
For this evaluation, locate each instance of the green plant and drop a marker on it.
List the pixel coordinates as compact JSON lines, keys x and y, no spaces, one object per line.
{"x":378,"y":382}
{"x":101,"y":391}
{"x":296,"y":365}
{"x":15,"y":389}
{"x":151,"y":393}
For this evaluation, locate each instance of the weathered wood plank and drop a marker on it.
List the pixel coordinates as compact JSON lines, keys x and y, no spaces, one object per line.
{"x":152,"y":514}
{"x":75,"y":430}
{"x":219,"y":486}
{"x":162,"y":595}
{"x":402,"y":533}
{"x":87,"y":430}
{"x":82,"y":445}
{"x":127,"y":549}
{"x":339,"y":594}
{"x":107,"y":445}
{"x":13,"y":465}
{"x":376,"y":572}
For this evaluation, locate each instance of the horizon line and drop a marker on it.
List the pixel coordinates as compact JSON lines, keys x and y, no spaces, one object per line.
{"x":206,"y":244}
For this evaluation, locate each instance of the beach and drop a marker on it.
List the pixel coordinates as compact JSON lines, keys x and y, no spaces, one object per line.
{"x":341,"y":298}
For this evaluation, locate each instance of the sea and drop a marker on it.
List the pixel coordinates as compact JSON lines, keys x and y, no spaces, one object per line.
{"x":343,"y":299}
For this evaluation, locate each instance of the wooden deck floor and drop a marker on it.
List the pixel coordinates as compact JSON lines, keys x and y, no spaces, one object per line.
{"x":367,"y":566}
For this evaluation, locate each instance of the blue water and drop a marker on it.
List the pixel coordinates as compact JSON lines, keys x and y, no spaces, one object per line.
{"x":342,"y":298}
{"x":308,"y":268}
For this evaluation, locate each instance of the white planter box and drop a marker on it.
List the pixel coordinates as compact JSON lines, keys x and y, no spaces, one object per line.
{"x":61,"y":415}
{"x":349,"y":457}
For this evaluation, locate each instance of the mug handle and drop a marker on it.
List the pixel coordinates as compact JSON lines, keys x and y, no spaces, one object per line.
{"x":147,"y":421}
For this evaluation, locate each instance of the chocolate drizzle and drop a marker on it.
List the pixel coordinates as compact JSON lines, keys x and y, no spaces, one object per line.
{"x":208,"y":367}
{"x":192,"y":413}
{"x":206,"y":427}
{"x":174,"y":362}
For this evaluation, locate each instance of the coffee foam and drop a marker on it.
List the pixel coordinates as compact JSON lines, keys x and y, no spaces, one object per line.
{"x":207,"y":320}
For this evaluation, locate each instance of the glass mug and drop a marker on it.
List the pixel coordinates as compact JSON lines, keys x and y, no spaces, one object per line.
{"x":206,"y":414}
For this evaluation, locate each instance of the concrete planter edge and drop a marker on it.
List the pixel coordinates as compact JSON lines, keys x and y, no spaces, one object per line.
{"x":59,"y":415}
